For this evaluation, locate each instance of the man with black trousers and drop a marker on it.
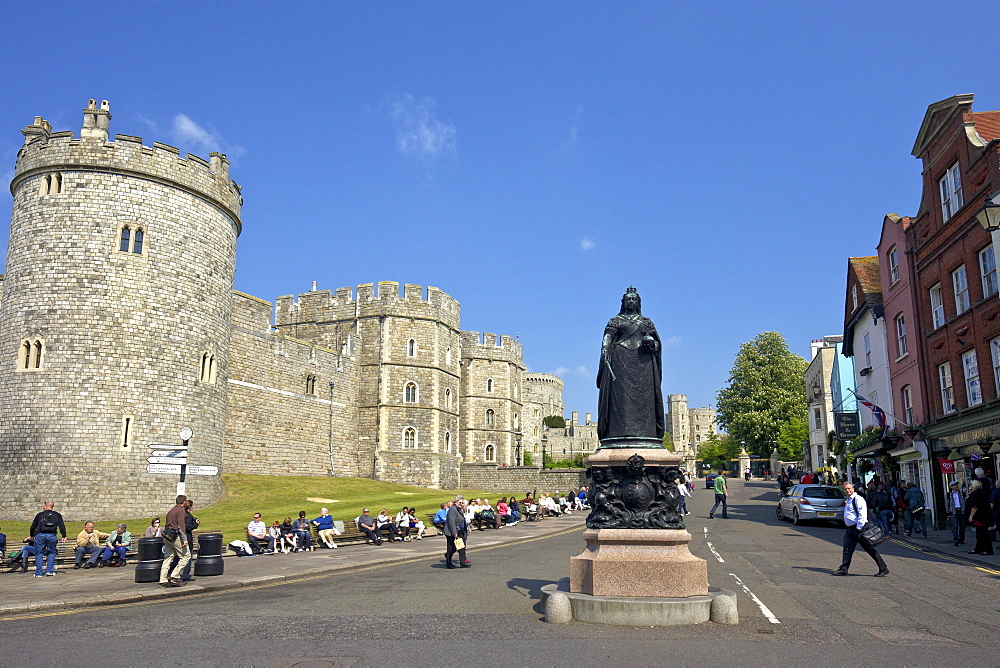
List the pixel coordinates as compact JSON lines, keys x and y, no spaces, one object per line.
{"x":456,"y":528}
{"x":855,"y":517}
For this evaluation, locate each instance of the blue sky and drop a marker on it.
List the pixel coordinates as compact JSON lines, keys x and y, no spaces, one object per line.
{"x":534,"y":159}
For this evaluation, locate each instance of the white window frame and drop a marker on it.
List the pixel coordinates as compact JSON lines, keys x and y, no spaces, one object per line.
{"x":893,"y":265}
{"x":868,"y":349}
{"x":988,"y":271}
{"x":406,"y":391}
{"x":995,"y":356}
{"x":817,"y":418}
{"x":937,"y":306}
{"x":960,"y":282}
{"x":907,"y":400}
{"x":950,"y":188}
{"x":946,"y":387}
{"x":973,"y":388}
{"x":901,"y":334}
{"x":410,"y":431}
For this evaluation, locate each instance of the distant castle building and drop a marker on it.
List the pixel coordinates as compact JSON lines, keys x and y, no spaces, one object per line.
{"x":122,"y":326}
{"x":688,"y":427}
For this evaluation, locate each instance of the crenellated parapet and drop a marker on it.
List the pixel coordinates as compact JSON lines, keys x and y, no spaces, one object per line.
{"x":544,"y":379}
{"x":45,"y":151}
{"x":369,"y":300}
{"x":501,"y":348}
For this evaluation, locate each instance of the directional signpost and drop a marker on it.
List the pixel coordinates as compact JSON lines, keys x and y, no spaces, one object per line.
{"x":172,"y":459}
{"x":163,"y":468}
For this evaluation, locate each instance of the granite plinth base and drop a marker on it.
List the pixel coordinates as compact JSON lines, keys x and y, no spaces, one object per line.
{"x":638,"y":562}
{"x":620,"y":454}
{"x":562,"y":606}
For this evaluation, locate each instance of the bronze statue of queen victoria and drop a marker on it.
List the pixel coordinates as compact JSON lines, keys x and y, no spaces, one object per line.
{"x":630,"y":404}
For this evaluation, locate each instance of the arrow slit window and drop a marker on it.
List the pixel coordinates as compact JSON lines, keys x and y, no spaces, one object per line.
{"x":127,"y":431}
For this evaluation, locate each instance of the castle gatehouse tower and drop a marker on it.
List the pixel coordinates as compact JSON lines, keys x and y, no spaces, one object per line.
{"x":114,"y":320}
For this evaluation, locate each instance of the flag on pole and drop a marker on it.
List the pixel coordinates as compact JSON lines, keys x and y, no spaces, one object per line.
{"x":877,"y":413}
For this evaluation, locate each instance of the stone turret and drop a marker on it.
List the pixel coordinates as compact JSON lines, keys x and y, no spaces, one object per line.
{"x":116,"y":308}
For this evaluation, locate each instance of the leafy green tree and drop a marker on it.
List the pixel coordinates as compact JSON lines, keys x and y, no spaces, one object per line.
{"x":527,"y":458}
{"x":554,"y":421}
{"x":766,"y":389}
{"x":792,"y":438}
{"x":668,"y":441}
{"x":716,"y":451}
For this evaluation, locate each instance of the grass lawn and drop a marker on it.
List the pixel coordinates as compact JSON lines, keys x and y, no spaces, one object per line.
{"x":276,"y":498}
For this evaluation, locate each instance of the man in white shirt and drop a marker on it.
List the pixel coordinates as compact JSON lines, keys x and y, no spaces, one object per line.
{"x":257,"y":533}
{"x":855,"y":517}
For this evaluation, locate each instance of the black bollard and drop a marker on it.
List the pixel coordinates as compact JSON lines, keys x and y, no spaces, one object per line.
{"x":150,"y":560}
{"x":209,"y":561}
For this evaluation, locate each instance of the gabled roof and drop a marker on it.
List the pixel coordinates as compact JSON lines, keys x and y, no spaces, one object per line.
{"x":937,"y":117}
{"x":866,"y":269}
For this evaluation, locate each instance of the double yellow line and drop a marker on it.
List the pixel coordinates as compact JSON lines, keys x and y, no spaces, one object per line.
{"x":942,"y":555}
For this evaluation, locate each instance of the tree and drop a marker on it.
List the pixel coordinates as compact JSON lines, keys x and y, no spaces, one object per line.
{"x":766,"y":389}
{"x":792,"y":439}
{"x":717,"y":451}
{"x":668,"y":441}
{"x":555,"y":421}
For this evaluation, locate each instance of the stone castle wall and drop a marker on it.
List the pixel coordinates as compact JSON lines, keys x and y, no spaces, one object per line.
{"x":282,"y":419}
{"x":541,"y":398}
{"x":492,"y":380}
{"x":124,"y":334}
{"x":518,"y":480}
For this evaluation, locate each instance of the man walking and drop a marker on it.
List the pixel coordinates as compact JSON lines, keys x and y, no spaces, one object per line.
{"x":720,"y":496}
{"x":43,"y":531}
{"x":855,"y":517}
{"x":175,"y":542}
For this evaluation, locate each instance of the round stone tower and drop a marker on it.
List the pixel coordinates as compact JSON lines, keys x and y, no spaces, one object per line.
{"x":114,"y":320}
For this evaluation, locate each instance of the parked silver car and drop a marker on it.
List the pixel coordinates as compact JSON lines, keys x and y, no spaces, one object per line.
{"x":812,"y":502}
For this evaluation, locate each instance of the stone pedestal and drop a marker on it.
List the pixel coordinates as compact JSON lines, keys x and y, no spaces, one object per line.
{"x":638,"y":562}
{"x":637,"y":544}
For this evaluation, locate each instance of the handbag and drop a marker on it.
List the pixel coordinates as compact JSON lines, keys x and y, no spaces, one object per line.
{"x":873,"y":534}
{"x":170,"y":534}
{"x":459,"y":544}
{"x":917,"y":510}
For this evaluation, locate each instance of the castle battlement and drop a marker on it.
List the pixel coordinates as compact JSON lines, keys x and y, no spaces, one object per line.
{"x":487,"y":345}
{"x":545,"y":378}
{"x":367,"y":300}
{"x":46,"y":151}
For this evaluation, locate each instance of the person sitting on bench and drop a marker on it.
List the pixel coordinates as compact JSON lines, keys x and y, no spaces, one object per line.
{"x":366,"y":525}
{"x":386,"y":525}
{"x":88,"y":544}
{"x":302,"y":532}
{"x":257,"y":534}
{"x":117,"y":544}
{"x":325,"y":528}
{"x":441,"y":516}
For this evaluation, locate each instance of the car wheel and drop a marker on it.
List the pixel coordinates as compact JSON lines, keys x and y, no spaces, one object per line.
{"x":795,"y":517}
{"x":778,"y":513}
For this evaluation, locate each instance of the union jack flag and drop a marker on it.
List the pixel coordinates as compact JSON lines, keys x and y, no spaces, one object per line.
{"x":877,"y":413}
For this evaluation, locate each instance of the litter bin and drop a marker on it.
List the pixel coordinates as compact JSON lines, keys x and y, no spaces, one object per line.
{"x":209,"y":561}
{"x":150,"y":560}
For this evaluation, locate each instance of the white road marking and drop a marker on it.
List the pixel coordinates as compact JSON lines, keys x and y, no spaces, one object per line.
{"x":763,"y":608}
{"x":717,"y":555}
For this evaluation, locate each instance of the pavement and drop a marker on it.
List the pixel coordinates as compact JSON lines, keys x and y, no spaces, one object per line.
{"x":941,"y":541}
{"x":71,"y":588}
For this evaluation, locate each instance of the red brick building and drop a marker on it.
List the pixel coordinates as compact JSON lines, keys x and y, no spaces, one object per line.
{"x":955,"y":284}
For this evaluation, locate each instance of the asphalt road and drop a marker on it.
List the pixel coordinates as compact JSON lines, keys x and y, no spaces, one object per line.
{"x":932,"y":609}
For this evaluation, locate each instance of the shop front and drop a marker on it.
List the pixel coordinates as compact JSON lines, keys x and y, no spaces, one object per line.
{"x":957,"y":455}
